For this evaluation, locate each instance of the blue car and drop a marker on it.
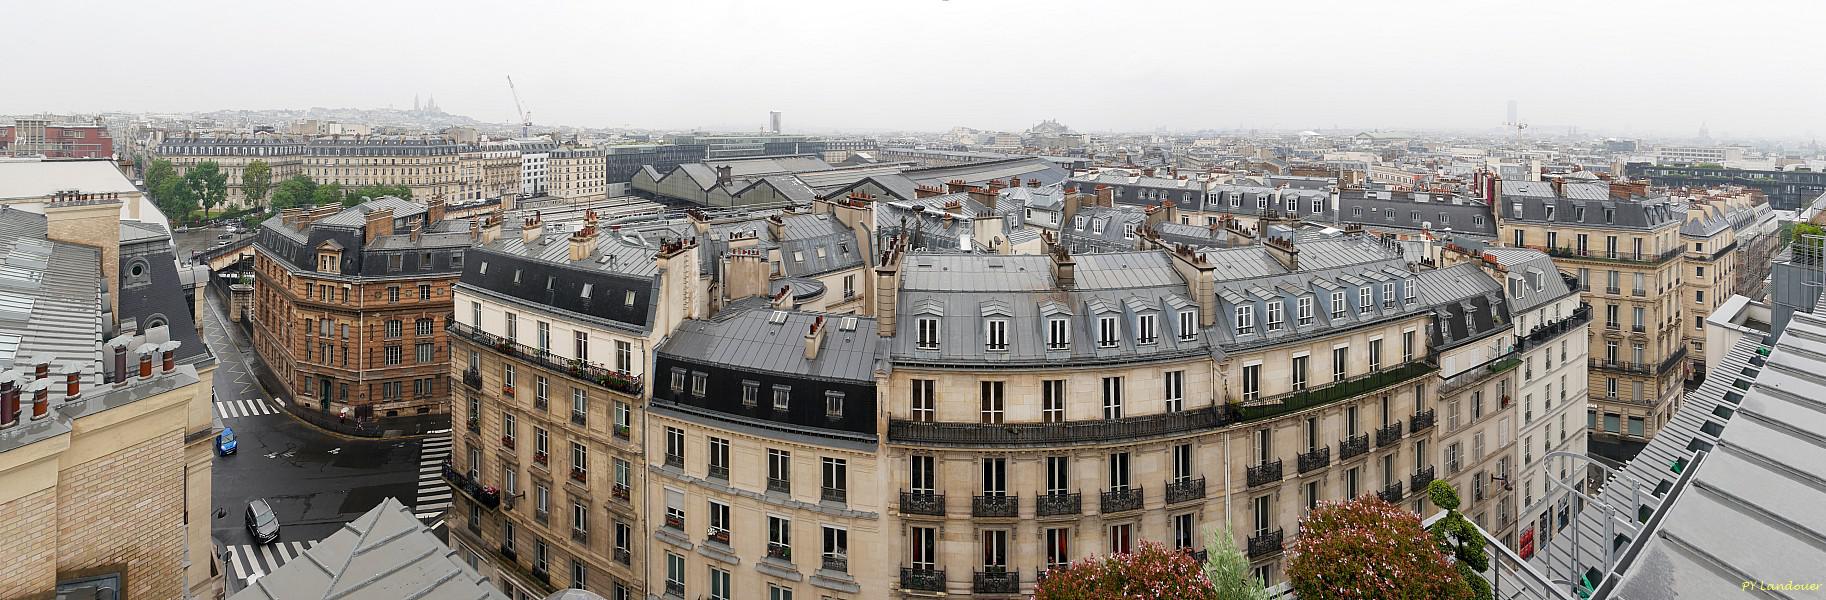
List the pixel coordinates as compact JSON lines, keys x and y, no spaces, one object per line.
{"x":225,"y":442}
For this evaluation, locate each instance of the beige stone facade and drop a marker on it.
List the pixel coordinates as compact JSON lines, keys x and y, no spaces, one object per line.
{"x":576,"y":174}
{"x":426,"y":165}
{"x":487,"y":174}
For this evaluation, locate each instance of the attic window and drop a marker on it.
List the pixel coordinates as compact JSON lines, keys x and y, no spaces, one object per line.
{"x":847,"y":324}
{"x":629,"y":300}
{"x":798,"y":256}
{"x":821,"y":252}
{"x":586,"y":289}
{"x":483,"y":268}
{"x":778,"y":317}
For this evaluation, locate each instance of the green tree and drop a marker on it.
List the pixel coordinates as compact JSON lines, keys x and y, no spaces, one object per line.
{"x":173,"y":198}
{"x":1153,"y":571}
{"x":297,"y":190}
{"x":207,"y":185}
{"x":1228,"y":570}
{"x":1365,"y":549}
{"x":256,"y":181}
{"x":159,"y":173}
{"x":1458,"y":537}
{"x":329,"y":193}
{"x":373,"y":191}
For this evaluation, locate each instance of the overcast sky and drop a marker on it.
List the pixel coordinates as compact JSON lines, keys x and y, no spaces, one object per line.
{"x":1743,"y":68}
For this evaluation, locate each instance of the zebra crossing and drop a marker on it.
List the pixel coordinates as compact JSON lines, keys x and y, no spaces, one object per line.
{"x":229,"y":409}
{"x":433,"y":492}
{"x":248,"y":561}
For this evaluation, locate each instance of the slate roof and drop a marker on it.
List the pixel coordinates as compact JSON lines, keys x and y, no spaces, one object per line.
{"x":750,"y":340}
{"x":1026,"y":167}
{"x":1533,"y":197}
{"x":1705,"y":219}
{"x":1462,"y":297}
{"x":962,"y":289}
{"x":814,"y":244}
{"x":1250,"y":276}
{"x":49,"y":304}
{"x":595,"y":289}
{"x":1530,"y":265}
{"x":1102,"y":229}
{"x":385,"y":554}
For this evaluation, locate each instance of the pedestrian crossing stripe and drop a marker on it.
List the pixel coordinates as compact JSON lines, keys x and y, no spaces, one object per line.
{"x":230,"y":409}
{"x":246,"y":560}
{"x":434,"y":495}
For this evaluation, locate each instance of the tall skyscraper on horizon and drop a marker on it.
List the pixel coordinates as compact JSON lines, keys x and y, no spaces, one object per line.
{"x":773,"y":121}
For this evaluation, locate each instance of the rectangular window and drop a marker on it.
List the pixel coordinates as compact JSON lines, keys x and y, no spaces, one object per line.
{"x":1058,"y":547}
{"x":991,"y":406}
{"x":1337,"y":304}
{"x":1058,"y":475}
{"x":1149,"y":330}
{"x":779,"y":470}
{"x":624,"y":356}
{"x":1106,"y":332}
{"x":782,"y":398}
{"x":1339,"y":363}
{"x":1252,"y":382}
{"x":1304,"y":310}
{"x":395,"y":355}
{"x":719,"y":457}
{"x":833,"y":405}
{"x":423,"y":353}
{"x":1058,"y":334}
{"x":928,"y":334}
{"x":1364,"y":304}
{"x":1119,"y":471}
{"x":1375,"y":355}
{"x":544,"y":335}
{"x":836,"y":479}
{"x":922,"y":474}
{"x":996,"y":331}
{"x":924,"y":404}
{"x":1188,"y":325}
{"x":1245,"y":320}
{"x":1274,"y":315}
{"x":580,"y":344}
{"x":1112,"y":397}
{"x":1052,"y":400}
{"x":751,"y":393}
{"x":1175,"y":390}
{"x":1299,"y":373}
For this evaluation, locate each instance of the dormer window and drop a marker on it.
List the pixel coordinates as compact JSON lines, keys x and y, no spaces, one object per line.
{"x":1128,"y":231}
{"x":1245,"y":320}
{"x":1407,"y":290}
{"x":329,"y":262}
{"x":1388,"y":294}
{"x":1106,"y":332}
{"x":995,"y":335}
{"x":1149,"y":329}
{"x":1274,"y":315}
{"x":1188,"y":325}
{"x":1363,"y":300}
{"x":1058,"y":334}
{"x":1337,"y":304}
{"x":1305,"y":310}
{"x":928,"y":333}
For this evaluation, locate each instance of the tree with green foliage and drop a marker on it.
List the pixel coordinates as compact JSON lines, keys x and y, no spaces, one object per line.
{"x":1461,"y":539}
{"x":329,"y":193}
{"x":159,"y":173}
{"x":1366,"y":548}
{"x":373,"y":191}
{"x":1228,"y":570}
{"x":173,"y":198}
{"x":297,"y":190}
{"x":1153,"y":571}
{"x":256,"y":181}
{"x":207,"y":185}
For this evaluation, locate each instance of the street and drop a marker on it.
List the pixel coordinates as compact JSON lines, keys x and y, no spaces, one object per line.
{"x":315,"y":481}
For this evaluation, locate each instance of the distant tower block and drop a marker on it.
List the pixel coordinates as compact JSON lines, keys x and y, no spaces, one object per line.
{"x":1512,"y":113}
{"x":773,"y":121}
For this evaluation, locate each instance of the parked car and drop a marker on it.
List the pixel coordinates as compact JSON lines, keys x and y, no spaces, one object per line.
{"x":225,"y":442}
{"x":262,"y":523}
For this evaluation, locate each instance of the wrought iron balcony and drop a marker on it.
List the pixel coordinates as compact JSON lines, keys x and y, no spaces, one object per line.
{"x":922,"y":580}
{"x":1185,"y":490}
{"x":473,"y":379}
{"x":998,"y":505}
{"x":1388,"y":434}
{"x":1053,"y":505}
{"x":1422,"y":420}
{"x":626,"y":383}
{"x":1390,"y":494}
{"x":922,"y":503}
{"x":1314,"y":459}
{"x":779,"y":485}
{"x":833,"y":494}
{"x":1421,"y":478}
{"x":675,"y":588}
{"x":675,"y":461}
{"x":1264,"y":543}
{"x":718,"y":535}
{"x":1479,"y":375}
{"x":996,"y":582}
{"x":1356,"y":386}
{"x":779,"y":551}
{"x":1121,"y":500}
{"x":1060,"y":434}
{"x":1617,"y":256}
{"x":624,"y":556}
{"x":1264,"y":473}
{"x":836,"y":562}
{"x":719,"y":472}
{"x":1353,"y":446}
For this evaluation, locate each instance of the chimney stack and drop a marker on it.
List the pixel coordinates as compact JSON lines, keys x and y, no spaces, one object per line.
{"x":985,"y":197}
{"x":72,"y":383}
{"x":583,"y":243}
{"x":1106,"y":196}
{"x":41,"y":399}
{"x":168,"y":356}
{"x":1064,"y":267}
{"x":9,"y":399}
{"x":119,"y":347}
{"x":530,"y":228}
{"x":956,"y":186}
{"x":434,"y":209}
{"x":1278,"y":241}
{"x":776,"y":227}
{"x":145,"y":360}
{"x":814,"y":337}
{"x":1559,"y":186}
{"x":379,"y":224}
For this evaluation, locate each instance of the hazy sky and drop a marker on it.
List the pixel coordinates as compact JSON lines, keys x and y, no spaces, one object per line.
{"x":1743,"y":67}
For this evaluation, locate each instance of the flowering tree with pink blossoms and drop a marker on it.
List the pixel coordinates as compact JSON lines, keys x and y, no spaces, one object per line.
{"x":1366,"y":549}
{"x":1151,"y":573}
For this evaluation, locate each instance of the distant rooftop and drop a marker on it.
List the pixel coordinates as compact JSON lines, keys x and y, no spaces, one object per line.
{"x":385,"y":554}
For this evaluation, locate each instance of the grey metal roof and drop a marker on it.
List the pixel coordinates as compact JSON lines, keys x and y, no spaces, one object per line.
{"x":1249,"y":275}
{"x":813,"y":244}
{"x":1750,"y":510}
{"x":958,"y":289}
{"x":1586,"y":204}
{"x":1519,"y":261}
{"x":137,"y":231}
{"x":1026,"y":167}
{"x":357,"y":216}
{"x":1461,"y":297}
{"x":1102,"y":229}
{"x":53,"y":290}
{"x":750,"y":340}
{"x":385,"y":554}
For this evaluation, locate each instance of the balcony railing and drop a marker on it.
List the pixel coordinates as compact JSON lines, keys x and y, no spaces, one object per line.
{"x":829,"y":494}
{"x":1353,"y":446}
{"x":1356,"y":386}
{"x":1264,"y":543}
{"x":486,"y":495}
{"x":922,"y":580}
{"x":624,"y":556}
{"x":1422,"y":420}
{"x":675,"y":522}
{"x":719,"y":472}
{"x":1547,"y":332}
{"x":1388,"y":434}
{"x":1185,"y":490}
{"x":1621,"y":366}
{"x":779,"y":551}
{"x":1421,"y":478}
{"x":1314,"y":459}
{"x":675,"y":588}
{"x":473,"y":379}
{"x":623,"y":431}
{"x":675,"y":461}
{"x":1264,"y":473}
{"x":718,"y":535}
{"x":996,"y":582}
{"x":836,"y":562}
{"x":620,"y":492}
{"x":922,"y":503}
{"x":1613,"y":290}
{"x":578,"y":474}
{"x":1391,"y":493}
{"x":1619,"y":256}
{"x":626,"y":383}
{"x":1060,"y":434}
{"x":1479,"y":375}
{"x":779,"y":485}
{"x":1672,"y":360}
{"x":1053,"y":505}
{"x":1121,"y":500}
{"x":1001,"y":506}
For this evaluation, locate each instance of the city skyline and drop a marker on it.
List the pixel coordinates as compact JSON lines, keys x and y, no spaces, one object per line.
{"x":1600,"y":69}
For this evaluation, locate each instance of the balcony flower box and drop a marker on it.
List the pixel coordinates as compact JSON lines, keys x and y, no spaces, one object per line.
{"x":507,"y":441}
{"x":507,"y":390}
{"x":675,"y":522}
{"x":620,"y":492}
{"x":720,"y":536}
{"x":577,"y":474}
{"x":539,"y":457}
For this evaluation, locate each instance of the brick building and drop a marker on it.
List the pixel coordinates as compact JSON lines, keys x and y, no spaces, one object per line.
{"x":28,"y":137}
{"x":350,"y":306}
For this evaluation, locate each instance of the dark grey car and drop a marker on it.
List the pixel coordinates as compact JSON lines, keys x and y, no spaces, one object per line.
{"x":262,"y":523}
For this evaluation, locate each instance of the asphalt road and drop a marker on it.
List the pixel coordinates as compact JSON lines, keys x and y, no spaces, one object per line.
{"x":314,"y":480}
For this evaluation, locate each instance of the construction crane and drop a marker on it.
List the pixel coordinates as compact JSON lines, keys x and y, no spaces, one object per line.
{"x":526,"y":117}
{"x":1518,"y":126}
